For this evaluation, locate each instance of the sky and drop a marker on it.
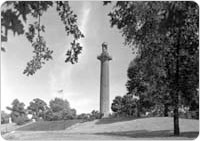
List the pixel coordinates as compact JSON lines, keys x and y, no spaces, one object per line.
{"x":80,"y":82}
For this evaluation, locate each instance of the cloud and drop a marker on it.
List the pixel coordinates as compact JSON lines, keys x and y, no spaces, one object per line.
{"x":85,"y":17}
{"x":60,"y":75}
{"x":83,"y":27}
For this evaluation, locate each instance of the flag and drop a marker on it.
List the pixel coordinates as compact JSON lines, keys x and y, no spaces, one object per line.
{"x":60,"y":91}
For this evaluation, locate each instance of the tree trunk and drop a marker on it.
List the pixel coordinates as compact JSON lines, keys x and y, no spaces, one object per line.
{"x":176,"y":94}
{"x":138,"y":109}
{"x":176,"y":119}
{"x":166,"y":110}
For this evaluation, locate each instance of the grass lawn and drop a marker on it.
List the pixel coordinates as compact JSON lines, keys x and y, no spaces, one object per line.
{"x":49,"y":125}
{"x":5,"y":128}
{"x":154,"y":128}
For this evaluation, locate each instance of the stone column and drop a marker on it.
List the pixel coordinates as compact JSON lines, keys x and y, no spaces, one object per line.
{"x":104,"y":81}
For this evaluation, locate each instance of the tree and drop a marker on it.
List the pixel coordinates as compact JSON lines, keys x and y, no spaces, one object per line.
{"x":48,"y":114}
{"x":166,"y":37}
{"x":125,"y":106}
{"x":14,"y":16}
{"x":83,"y":116}
{"x":60,"y":109}
{"x":117,"y":105}
{"x":138,"y":86}
{"x":150,"y":92}
{"x":95,"y":115}
{"x":129,"y":105}
{"x":73,"y":113}
{"x":37,"y":108}
{"x":18,"y":112}
{"x":59,"y":104}
{"x":4,"y":117}
{"x":69,"y":114}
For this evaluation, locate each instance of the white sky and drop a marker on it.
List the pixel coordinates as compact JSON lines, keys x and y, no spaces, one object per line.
{"x":80,"y":82}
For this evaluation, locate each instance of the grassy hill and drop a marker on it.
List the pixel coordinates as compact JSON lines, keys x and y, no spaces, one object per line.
{"x":49,"y":125}
{"x":112,"y":129}
{"x":138,"y":128}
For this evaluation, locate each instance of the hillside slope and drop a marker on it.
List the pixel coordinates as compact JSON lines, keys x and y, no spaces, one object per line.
{"x":112,"y":129}
{"x":145,"y":127}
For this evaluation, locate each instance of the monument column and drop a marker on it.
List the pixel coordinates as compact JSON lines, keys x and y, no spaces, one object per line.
{"x":104,"y":81}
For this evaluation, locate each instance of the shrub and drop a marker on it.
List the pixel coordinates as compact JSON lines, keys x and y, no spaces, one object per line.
{"x":4,"y":117}
{"x":83,"y":116}
{"x":96,"y":115}
{"x":21,"y":120}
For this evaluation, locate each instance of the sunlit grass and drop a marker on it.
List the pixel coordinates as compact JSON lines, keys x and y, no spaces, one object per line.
{"x":49,"y":125}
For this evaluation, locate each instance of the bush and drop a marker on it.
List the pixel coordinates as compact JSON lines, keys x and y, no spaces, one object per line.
{"x":21,"y":120}
{"x":191,"y":115}
{"x":195,"y":114}
{"x":83,"y":116}
{"x":4,"y":117}
{"x":96,"y":115}
{"x":59,"y":110}
{"x":125,"y":106}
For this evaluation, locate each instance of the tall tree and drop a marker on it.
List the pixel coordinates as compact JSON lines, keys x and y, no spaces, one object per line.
{"x":14,"y":17}
{"x":125,"y":106}
{"x":129,"y":105}
{"x":4,"y":117}
{"x":61,"y":109}
{"x":37,"y":108}
{"x":117,"y":105}
{"x":151,"y":92}
{"x":18,"y":111}
{"x":166,"y":34}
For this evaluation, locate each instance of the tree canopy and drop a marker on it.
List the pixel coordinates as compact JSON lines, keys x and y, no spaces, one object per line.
{"x":125,"y":106}
{"x":18,"y":112}
{"x":14,"y":16}
{"x":165,"y":36}
{"x":60,"y":109}
{"x":4,"y":117}
{"x":37,"y":108}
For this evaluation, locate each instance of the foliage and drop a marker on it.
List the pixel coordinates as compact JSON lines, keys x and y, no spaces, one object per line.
{"x":130,"y":105}
{"x":124,"y":106}
{"x":138,"y":86}
{"x":149,"y":95}
{"x":90,"y":116}
{"x":60,"y":110}
{"x":18,"y":112}
{"x":14,"y":16}
{"x":117,"y":105}
{"x":37,"y":108}
{"x":58,"y":104}
{"x":95,"y":115}
{"x":21,"y":120}
{"x":48,"y":115}
{"x":70,"y":22}
{"x":83,"y":116}
{"x":72,"y":114}
{"x":4,"y":117}
{"x":165,"y":36}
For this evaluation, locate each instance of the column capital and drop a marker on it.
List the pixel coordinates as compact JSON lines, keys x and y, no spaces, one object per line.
{"x":104,"y":55}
